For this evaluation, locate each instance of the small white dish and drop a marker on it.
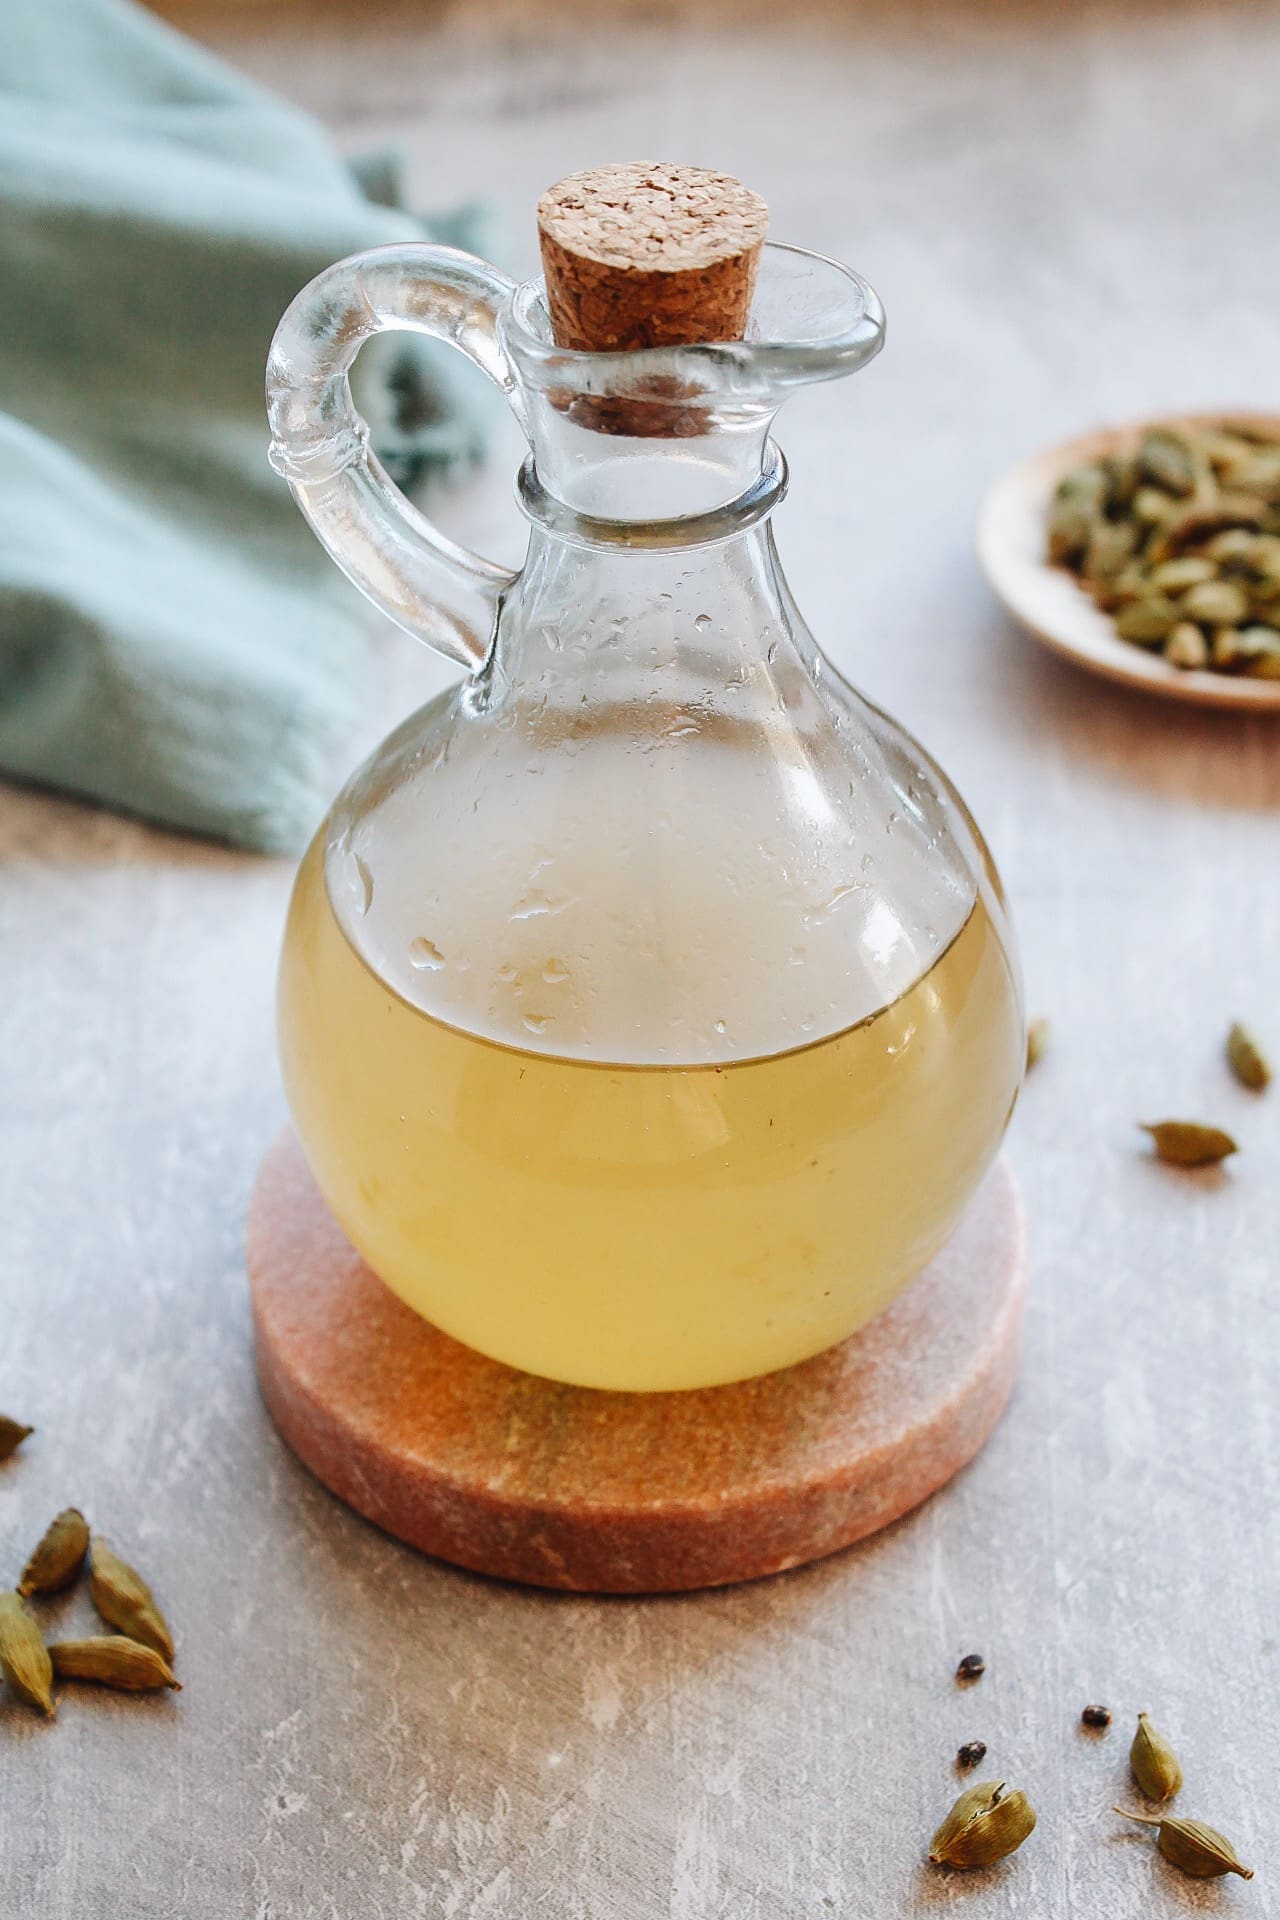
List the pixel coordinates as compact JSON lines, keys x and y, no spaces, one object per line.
{"x":1047,"y":601}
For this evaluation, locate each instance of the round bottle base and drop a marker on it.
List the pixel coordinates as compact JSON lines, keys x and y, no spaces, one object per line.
{"x":595,"y":1492}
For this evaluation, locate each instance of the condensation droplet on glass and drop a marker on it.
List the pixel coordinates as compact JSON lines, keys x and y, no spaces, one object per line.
{"x":424,"y":953}
{"x":535,"y":902}
{"x":812,"y":916}
{"x":537,"y":1022}
{"x":796,"y":957}
{"x":507,"y":973}
{"x":719,"y":1026}
{"x":554,"y":972}
{"x":702,"y":622}
{"x":359,"y":882}
{"x":867,"y":862}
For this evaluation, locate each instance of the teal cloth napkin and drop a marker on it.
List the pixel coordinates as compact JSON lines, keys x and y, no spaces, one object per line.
{"x":173,"y":640}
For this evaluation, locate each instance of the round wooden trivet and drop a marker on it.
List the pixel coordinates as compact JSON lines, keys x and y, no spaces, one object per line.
{"x":621,"y":1492}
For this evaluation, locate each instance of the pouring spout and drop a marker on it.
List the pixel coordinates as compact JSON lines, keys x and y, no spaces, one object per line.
{"x":599,"y":421}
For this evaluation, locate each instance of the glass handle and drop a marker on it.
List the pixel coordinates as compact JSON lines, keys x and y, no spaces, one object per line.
{"x":435,"y":590}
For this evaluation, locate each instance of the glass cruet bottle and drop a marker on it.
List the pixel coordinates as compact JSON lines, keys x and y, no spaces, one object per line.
{"x":648,"y":1007}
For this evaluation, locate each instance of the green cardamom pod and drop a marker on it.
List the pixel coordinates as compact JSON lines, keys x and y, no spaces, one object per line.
{"x":1263,"y":659}
{"x":56,"y":1561}
{"x":1151,"y":506}
{"x":1191,"y":1846}
{"x":113,"y":1661}
{"x":1111,"y":544}
{"x":1185,"y":1143}
{"x":1038,"y":1032}
{"x":1165,"y":459}
{"x":24,"y":1658}
{"x":1232,"y":548}
{"x":1087,"y":486}
{"x":1215,"y":603}
{"x":1147,"y":621}
{"x":984,"y":1825}
{"x":1070,"y":524}
{"x":124,"y":1600}
{"x":1248,"y":1062}
{"x":1175,"y":576}
{"x":1229,"y":652}
{"x":1187,"y":647}
{"x":12,"y":1435}
{"x":1120,"y":473}
{"x":1153,"y":1763}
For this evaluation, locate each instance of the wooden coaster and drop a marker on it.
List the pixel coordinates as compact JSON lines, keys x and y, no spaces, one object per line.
{"x":625,"y":1492}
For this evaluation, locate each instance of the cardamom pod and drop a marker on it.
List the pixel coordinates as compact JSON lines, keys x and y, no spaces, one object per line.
{"x":1248,"y":1062}
{"x":1175,"y":576}
{"x":984,"y":1825}
{"x":1185,"y":1143}
{"x":56,"y":1561}
{"x":1120,"y":474}
{"x":1214,"y":603}
{"x":1153,"y":1763}
{"x":124,"y":1599}
{"x":1187,"y":647}
{"x":1087,"y":486}
{"x":1191,"y":1846}
{"x":1151,"y":506}
{"x":1229,"y":654}
{"x":12,"y":1435}
{"x":1070,"y":524}
{"x":1147,"y":621}
{"x":113,"y":1661}
{"x":1165,"y":459}
{"x":24,"y":1658}
{"x":1111,"y":544}
{"x":1038,"y":1032}
{"x":1232,"y":548}
{"x":1264,"y":661}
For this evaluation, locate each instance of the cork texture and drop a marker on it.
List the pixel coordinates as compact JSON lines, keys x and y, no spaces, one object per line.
{"x":649,"y":255}
{"x":564,"y":1487}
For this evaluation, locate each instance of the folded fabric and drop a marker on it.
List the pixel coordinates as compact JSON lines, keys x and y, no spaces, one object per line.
{"x":173,"y":641}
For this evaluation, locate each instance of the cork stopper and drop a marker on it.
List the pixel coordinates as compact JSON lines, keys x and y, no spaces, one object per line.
{"x":647,"y":255}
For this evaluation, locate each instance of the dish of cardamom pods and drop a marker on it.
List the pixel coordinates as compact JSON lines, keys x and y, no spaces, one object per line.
{"x":1150,"y":554}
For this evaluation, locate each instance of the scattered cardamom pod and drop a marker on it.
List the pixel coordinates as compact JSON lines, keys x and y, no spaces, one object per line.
{"x":1038,"y":1032}
{"x":12,"y":1435}
{"x":24,"y":1658}
{"x":984,"y":1825}
{"x":124,"y":1599}
{"x":1153,"y":1763}
{"x":1185,"y":1143}
{"x":113,"y":1661}
{"x":1176,"y":535}
{"x":1248,"y":1062}
{"x":1191,"y":1846}
{"x":57,"y":1560}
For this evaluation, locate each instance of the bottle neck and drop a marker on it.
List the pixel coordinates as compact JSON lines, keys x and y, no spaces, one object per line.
{"x":589,"y":457}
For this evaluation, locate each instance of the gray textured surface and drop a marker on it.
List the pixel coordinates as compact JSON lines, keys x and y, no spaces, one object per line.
{"x":1070,"y":216}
